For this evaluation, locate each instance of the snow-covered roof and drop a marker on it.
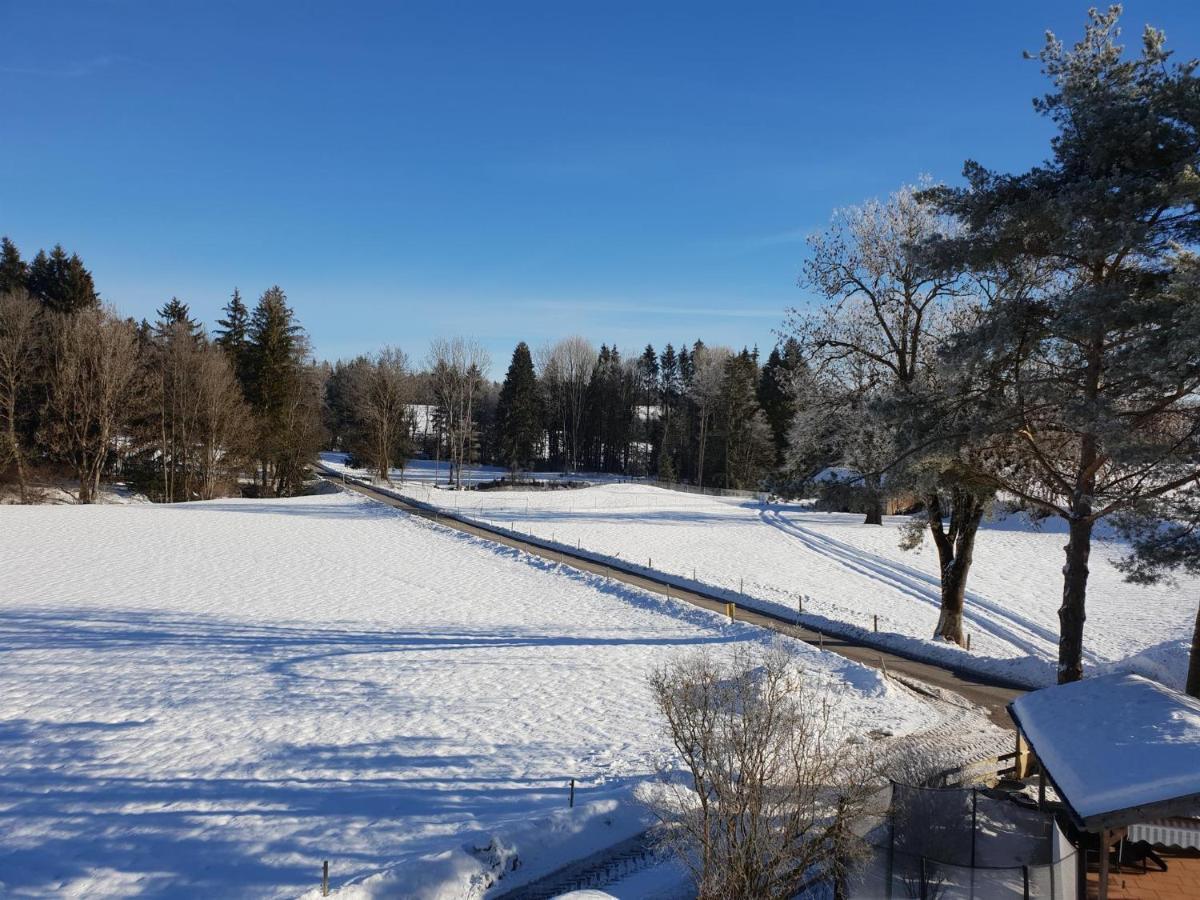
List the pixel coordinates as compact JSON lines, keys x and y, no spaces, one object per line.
{"x":1119,"y":748}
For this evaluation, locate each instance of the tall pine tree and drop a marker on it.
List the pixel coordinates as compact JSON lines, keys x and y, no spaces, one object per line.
{"x":233,"y":336}
{"x":1087,"y":395}
{"x":519,"y":412}
{"x":277,"y":390}
{"x":61,"y":282}
{"x":175,"y":315}
{"x":776,"y":393}
{"x":13,"y":271}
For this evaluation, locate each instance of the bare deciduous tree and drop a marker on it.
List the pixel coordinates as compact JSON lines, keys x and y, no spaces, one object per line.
{"x":18,"y":352}
{"x":457,"y":368}
{"x":381,"y":394}
{"x":92,"y":366}
{"x":706,"y":389}
{"x":891,"y":304}
{"x":224,"y":427}
{"x":888,"y":306}
{"x":772,"y":788}
{"x":566,"y":370}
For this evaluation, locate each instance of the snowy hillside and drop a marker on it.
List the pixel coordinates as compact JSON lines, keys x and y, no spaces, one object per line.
{"x":213,"y":698}
{"x":849,"y":573}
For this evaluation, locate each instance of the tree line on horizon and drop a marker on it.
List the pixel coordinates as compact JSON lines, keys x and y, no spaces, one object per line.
{"x":704,"y":415}
{"x":181,"y":414}
{"x":160,"y":405}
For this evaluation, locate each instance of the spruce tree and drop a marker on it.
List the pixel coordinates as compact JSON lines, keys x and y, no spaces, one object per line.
{"x":776,"y":393}
{"x":13,"y":271}
{"x":232,"y":336}
{"x":519,"y":412}
{"x":748,"y":445}
{"x":174,"y":315}
{"x":647,"y":401}
{"x":670,"y":390}
{"x":61,"y":282}
{"x":276,"y":350}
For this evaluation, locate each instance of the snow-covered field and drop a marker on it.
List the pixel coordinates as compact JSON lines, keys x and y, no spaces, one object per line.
{"x":212,"y":698}
{"x":849,"y":573}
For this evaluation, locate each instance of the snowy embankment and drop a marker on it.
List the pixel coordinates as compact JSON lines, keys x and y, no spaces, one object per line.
{"x":212,"y":698}
{"x":772,"y":555}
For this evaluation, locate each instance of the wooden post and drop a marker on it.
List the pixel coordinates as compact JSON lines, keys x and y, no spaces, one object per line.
{"x":1102,"y":887}
{"x":876,"y":618}
{"x":1021,"y":762}
{"x":729,"y":610}
{"x":968,"y":641}
{"x":571,"y":799}
{"x":325,"y":879}
{"x":742,"y":586}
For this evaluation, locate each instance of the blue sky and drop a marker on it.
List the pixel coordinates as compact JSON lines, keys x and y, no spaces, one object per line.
{"x":630,"y":171}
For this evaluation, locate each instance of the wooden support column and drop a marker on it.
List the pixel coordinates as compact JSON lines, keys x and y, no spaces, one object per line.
{"x":1021,"y":762}
{"x":1102,"y":887}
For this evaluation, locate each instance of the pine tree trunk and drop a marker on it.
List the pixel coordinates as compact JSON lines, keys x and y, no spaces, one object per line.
{"x":1193,"y":675}
{"x":1071,"y":614}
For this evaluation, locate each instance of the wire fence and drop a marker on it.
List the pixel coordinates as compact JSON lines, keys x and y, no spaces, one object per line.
{"x":582,"y":523}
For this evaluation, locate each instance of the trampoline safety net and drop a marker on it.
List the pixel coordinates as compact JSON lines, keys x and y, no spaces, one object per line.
{"x":951,"y":843}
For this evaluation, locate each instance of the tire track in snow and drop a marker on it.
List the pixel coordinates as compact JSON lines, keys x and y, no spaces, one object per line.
{"x":1026,"y":636}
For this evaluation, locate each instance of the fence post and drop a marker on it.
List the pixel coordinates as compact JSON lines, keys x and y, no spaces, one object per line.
{"x":876,"y":618}
{"x":974,"y":823}
{"x":571,"y":799}
{"x":729,"y":610}
{"x":325,"y":879}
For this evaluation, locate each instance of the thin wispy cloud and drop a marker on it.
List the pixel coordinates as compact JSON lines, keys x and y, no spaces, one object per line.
{"x":789,"y":237}
{"x":593,"y":306}
{"x":67,"y":69}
